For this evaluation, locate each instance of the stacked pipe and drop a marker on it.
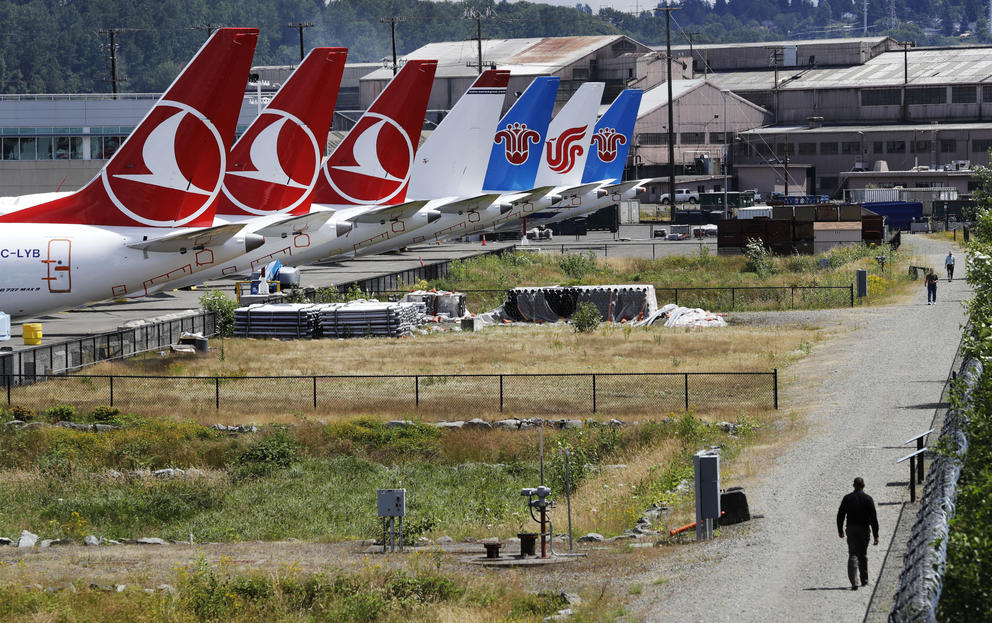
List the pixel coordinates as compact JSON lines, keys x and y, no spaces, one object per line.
{"x":616,"y":303}
{"x":277,"y":320}
{"x":439,"y":302}
{"x":370,"y":318}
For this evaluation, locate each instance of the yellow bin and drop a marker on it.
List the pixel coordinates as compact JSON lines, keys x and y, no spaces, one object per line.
{"x":32,"y":333}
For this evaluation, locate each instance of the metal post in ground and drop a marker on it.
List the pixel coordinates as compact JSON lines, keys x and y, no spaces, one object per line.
{"x":314,"y":392}
{"x":501,"y":393}
{"x":216,"y":392}
{"x":593,"y":393}
{"x":775,"y":385}
{"x":111,"y":390}
{"x":686,"y":375}
{"x":416,"y":389}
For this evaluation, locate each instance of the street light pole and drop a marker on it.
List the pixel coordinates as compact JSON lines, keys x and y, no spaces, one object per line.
{"x":671,"y":113}
{"x":726,"y":209}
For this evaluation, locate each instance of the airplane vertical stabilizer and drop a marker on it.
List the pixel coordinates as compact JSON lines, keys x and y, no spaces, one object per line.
{"x":519,"y":138}
{"x":274,"y":165}
{"x":169,"y":172}
{"x":372,"y":165}
{"x":452,"y":161}
{"x":567,"y":145}
{"x":611,"y":139}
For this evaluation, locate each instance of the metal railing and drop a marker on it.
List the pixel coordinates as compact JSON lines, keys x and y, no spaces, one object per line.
{"x":438,"y":394}
{"x":29,"y":364}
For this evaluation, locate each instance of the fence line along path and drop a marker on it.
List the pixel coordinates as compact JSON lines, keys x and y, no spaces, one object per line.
{"x":439,"y":394}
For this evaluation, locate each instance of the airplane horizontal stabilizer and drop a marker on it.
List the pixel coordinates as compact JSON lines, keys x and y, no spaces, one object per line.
{"x":533,"y":194}
{"x":297,"y":224}
{"x":469,"y":204}
{"x":388,"y":213}
{"x":190,"y":239}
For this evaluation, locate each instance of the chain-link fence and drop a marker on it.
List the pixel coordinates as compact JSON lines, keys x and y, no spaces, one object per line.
{"x":922,"y":577}
{"x":439,"y":395}
{"x":27,"y":364}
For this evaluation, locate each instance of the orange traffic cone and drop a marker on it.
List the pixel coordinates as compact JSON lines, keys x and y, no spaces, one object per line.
{"x":483,"y":240}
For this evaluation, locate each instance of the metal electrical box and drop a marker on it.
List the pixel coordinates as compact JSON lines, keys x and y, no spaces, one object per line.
{"x":392,"y":502}
{"x":707,"y":485}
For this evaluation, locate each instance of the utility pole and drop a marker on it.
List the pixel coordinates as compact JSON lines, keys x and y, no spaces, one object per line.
{"x":300,"y":26}
{"x":776,"y":56}
{"x":865,"y":17}
{"x":671,"y":113}
{"x":392,"y":21}
{"x":112,"y":33}
{"x":726,"y":209}
{"x":786,"y":165}
{"x":478,"y":16}
{"x":905,"y":75}
{"x":208,"y":27}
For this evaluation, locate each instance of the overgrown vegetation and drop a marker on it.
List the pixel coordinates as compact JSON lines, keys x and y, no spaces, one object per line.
{"x":756,"y":267}
{"x":968,"y":578}
{"x":223,"y":307}
{"x":586,"y":318}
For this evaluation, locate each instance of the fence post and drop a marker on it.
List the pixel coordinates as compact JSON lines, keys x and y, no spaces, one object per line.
{"x":217,"y":392}
{"x":733,"y":298}
{"x":775,"y":385}
{"x":850,"y":288}
{"x":793,"y":297}
{"x":501,"y":393}
{"x":111,"y":390}
{"x":315,"y":391}
{"x":676,"y":296}
{"x":10,"y":381}
{"x":416,"y":389}
{"x":686,"y":374}
{"x":593,"y":393}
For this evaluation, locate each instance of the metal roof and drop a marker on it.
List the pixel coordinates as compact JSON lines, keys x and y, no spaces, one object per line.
{"x":835,"y":129}
{"x":657,"y":96}
{"x":927,"y":66}
{"x":530,"y":57}
{"x":773,"y":44}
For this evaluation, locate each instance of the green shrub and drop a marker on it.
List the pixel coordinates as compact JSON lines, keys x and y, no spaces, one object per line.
{"x":276,"y":451}
{"x":18,"y":412}
{"x":759,"y":258}
{"x":577,"y":265}
{"x":223,"y":306}
{"x":586,"y":318}
{"x":60,"y":413}
{"x":103,"y":413}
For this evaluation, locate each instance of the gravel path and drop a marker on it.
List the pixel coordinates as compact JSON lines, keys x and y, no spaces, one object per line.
{"x":864,"y":394}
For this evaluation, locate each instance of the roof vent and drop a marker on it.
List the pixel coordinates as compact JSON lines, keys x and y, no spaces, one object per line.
{"x":815,"y":122}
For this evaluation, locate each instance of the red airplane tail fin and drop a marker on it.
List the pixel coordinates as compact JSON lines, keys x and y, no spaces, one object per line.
{"x":372,"y":165}
{"x":274,"y":165}
{"x":169,"y":172}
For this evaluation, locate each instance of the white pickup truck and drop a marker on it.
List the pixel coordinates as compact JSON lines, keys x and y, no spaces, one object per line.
{"x":682,"y":195}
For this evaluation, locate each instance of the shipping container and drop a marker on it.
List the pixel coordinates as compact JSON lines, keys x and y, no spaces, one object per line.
{"x":898,"y":214}
{"x":850,"y":212}
{"x":836,"y":232}
{"x":750,"y":213}
{"x":862,"y":195}
{"x":735,"y":199}
{"x":783,"y":213}
{"x":826,"y":213}
{"x":802,"y":230}
{"x":605,"y":219}
{"x":805,"y":213}
{"x":953,"y":209}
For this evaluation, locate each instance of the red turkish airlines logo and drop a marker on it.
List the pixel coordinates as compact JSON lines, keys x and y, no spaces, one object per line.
{"x":563,"y":151}
{"x":517,"y":138}
{"x":170,"y":170}
{"x":607,"y":141}
{"x":378,"y":160}
{"x":281,"y":165}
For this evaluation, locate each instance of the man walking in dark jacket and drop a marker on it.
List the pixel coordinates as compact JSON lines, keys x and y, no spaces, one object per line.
{"x":859,"y":509}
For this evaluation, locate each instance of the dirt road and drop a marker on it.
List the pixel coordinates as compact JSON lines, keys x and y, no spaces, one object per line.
{"x":864,"y":395}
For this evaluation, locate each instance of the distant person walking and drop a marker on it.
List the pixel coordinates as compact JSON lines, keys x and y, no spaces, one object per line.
{"x":932,"y":280}
{"x":949,"y":264}
{"x":859,"y":509}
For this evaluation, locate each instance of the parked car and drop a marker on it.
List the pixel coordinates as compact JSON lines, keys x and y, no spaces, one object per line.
{"x":682,"y":195}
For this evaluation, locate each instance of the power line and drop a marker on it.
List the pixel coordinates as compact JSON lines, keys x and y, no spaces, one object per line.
{"x":112,"y":47}
{"x":392,"y":21}
{"x":300,"y":26}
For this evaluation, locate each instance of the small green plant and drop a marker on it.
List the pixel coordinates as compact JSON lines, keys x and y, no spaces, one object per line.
{"x":60,"y":413}
{"x":223,"y":307}
{"x":18,"y":412}
{"x":276,"y":451}
{"x":759,"y":258}
{"x":586,"y":318}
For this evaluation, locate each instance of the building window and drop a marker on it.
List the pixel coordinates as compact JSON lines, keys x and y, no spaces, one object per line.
{"x":717,"y":138}
{"x":980,"y":146}
{"x":986,"y":93}
{"x":964,"y":95}
{"x":880,"y":97}
{"x":922,"y":147}
{"x":895,"y":147}
{"x":829,"y":149}
{"x":926,"y":95}
{"x":850,"y":147}
{"x":828,"y":183}
{"x":948,"y":145}
{"x":807,"y":149}
{"x":580,"y":73}
{"x":653,"y":138}
{"x":692,"y":138}
{"x":877,"y":147}
{"x":9,"y":149}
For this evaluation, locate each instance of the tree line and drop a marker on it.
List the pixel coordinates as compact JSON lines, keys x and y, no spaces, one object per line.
{"x":62,"y":46}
